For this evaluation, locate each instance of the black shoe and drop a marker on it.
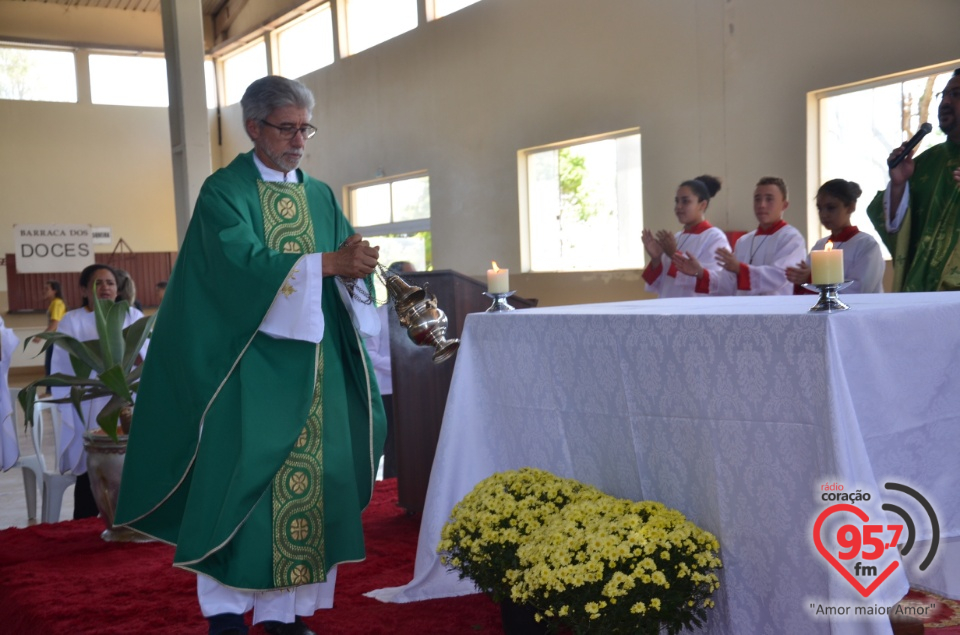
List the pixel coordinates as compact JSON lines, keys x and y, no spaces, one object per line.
{"x":226,"y":624}
{"x":280,"y":628}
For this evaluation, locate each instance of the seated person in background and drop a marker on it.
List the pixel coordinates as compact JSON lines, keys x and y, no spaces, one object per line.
{"x":161,"y":289}
{"x":862,"y":260}
{"x":101,"y":281}
{"x":378,"y":347}
{"x":699,"y":239}
{"x":759,"y":262}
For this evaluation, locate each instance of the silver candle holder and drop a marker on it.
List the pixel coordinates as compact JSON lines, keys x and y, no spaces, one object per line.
{"x":499,"y":302}
{"x":829,"y":300}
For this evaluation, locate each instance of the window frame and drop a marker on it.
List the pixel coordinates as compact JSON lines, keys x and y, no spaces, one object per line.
{"x":77,"y":75}
{"x":273,"y":41}
{"x":523,"y":190}
{"x":394,"y":227}
{"x":342,"y":24}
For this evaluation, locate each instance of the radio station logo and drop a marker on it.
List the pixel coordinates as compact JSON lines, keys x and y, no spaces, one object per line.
{"x":856,"y":548}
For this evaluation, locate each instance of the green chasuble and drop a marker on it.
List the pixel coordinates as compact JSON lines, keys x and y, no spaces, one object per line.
{"x":253,"y":455}
{"x":925,"y":251}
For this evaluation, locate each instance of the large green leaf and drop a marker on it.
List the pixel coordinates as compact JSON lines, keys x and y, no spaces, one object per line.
{"x":28,"y":395}
{"x":114,"y":379}
{"x":110,"y":415}
{"x":109,"y":319}
{"x":83,"y":351}
{"x":135,"y":337}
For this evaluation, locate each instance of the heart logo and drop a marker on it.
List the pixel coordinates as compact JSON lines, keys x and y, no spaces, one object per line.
{"x":862,"y":515}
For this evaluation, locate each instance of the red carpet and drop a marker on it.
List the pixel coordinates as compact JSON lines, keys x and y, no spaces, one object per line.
{"x":61,"y":578}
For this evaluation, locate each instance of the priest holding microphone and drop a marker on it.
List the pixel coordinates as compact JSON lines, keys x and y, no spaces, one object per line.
{"x":918,"y":216}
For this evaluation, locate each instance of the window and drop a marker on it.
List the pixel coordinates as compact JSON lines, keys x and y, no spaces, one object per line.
{"x":394,"y":214}
{"x":128,"y":80}
{"x":860,"y":126}
{"x":446,"y":7}
{"x":370,"y":22}
{"x":210,"y":82}
{"x":306,"y":44}
{"x":240,"y":69}
{"x":37,"y":74}
{"x":581,"y":207}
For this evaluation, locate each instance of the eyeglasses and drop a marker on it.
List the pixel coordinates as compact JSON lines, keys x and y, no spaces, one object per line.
{"x":953,"y":94}
{"x":289,"y":131}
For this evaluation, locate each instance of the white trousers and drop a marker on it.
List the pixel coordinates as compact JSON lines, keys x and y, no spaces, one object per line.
{"x":282,"y":605}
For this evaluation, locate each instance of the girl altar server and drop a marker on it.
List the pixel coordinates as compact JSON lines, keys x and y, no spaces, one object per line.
{"x":698,"y":239}
{"x":862,"y":261}
{"x":758,"y":264}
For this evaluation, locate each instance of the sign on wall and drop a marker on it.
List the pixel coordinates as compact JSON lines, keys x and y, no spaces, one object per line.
{"x":102,"y":236}
{"x":52,"y":248}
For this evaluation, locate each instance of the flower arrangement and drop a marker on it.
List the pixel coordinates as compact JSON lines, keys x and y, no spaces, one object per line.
{"x":616,"y":566}
{"x":587,"y":562}
{"x":485,"y":528}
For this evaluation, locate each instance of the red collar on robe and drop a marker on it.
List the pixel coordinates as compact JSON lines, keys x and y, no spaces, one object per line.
{"x":845,"y":234}
{"x":780,"y":224}
{"x":699,"y":228}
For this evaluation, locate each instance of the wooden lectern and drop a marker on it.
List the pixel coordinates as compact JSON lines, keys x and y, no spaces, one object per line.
{"x":420,"y":386}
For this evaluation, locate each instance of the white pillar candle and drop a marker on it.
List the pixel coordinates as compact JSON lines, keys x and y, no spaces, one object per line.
{"x":826,"y":266}
{"x":498,"y":280}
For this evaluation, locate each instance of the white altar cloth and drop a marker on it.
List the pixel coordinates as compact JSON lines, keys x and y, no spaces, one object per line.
{"x":734,"y":411}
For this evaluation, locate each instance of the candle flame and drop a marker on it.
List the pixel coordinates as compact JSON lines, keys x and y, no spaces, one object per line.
{"x":828,"y":246}
{"x":495,"y":267}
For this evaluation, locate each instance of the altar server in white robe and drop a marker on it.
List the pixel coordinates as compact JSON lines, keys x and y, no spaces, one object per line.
{"x":9,"y":445}
{"x":698,"y":239}
{"x":862,"y":261}
{"x":81,"y":324}
{"x":758,"y":264}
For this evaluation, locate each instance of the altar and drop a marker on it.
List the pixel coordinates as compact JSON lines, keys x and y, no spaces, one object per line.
{"x":736,"y":411}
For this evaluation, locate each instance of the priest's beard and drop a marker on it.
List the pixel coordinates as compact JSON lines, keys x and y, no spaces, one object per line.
{"x":286,"y":161}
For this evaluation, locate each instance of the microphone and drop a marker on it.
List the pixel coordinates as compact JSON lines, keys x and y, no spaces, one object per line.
{"x":914,"y":140}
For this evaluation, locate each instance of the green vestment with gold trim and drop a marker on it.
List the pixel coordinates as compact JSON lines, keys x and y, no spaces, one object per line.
{"x":925,"y":250}
{"x":253,"y":455}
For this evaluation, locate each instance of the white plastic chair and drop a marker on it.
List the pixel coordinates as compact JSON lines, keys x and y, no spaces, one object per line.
{"x":54,"y":483}
{"x":30,"y":466}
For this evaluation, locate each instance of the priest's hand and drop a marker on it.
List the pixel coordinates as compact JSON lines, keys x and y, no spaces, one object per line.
{"x":727,"y":260}
{"x":799,"y":274}
{"x":687,"y":264}
{"x":355,"y":259}
{"x":956,"y":176}
{"x":651,"y":245}
{"x":667,"y":242}
{"x":902,"y":173}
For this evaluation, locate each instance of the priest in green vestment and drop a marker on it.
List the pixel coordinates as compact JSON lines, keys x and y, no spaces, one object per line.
{"x":259,"y":423}
{"x":918,"y":216}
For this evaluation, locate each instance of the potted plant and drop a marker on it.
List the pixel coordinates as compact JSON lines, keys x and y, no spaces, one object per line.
{"x":610,"y":565}
{"x":488,"y":526}
{"x":105,"y":367}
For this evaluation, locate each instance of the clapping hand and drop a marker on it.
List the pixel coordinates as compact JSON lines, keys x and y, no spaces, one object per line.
{"x":650,"y":244}
{"x":800,"y":274}
{"x":667,"y":242}
{"x":727,"y":260}
{"x":687,"y":264}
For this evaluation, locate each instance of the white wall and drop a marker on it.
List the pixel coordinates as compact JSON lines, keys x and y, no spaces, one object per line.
{"x":715,"y":86}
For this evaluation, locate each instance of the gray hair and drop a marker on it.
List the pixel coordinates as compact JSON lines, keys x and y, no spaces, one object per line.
{"x":268,"y":93}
